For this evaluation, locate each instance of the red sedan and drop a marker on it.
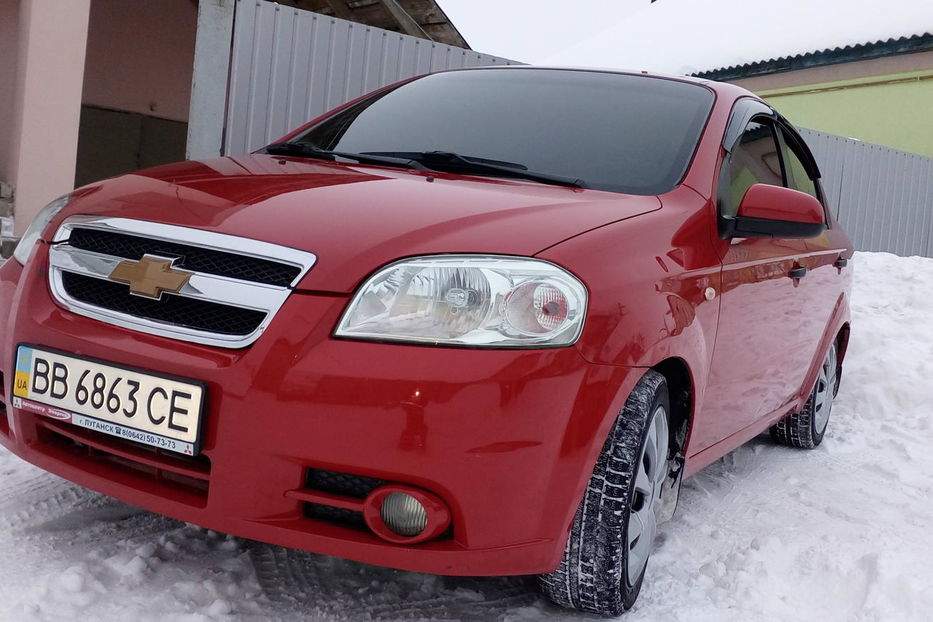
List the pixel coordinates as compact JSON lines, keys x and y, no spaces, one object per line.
{"x":482,"y":322}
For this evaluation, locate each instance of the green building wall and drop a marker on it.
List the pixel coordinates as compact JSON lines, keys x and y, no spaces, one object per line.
{"x":894,"y":110}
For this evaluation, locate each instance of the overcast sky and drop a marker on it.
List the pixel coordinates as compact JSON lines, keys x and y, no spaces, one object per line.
{"x":678,"y":36}
{"x":526,"y":30}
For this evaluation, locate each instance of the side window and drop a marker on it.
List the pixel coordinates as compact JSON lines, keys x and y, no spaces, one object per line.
{"x":754,"y":160}
{"x":797,"y":176}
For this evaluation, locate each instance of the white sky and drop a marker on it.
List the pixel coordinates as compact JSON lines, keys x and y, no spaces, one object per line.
{"x":677,"y":36}
{"x":526,"y":30}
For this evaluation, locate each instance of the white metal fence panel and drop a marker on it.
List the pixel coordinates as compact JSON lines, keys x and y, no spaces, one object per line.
{"x":290,"y":65}
{"x":883,"y":197}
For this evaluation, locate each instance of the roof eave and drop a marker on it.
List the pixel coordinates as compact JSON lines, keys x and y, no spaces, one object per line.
{"x":847,"y":54}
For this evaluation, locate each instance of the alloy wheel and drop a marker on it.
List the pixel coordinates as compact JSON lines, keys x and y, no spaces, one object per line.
{"x":649,"y":481}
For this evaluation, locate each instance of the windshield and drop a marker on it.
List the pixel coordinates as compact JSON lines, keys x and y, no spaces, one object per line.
{"x":622,"y":133}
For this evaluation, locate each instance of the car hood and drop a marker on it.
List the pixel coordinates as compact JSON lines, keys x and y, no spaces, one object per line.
{"x":357,"y":218}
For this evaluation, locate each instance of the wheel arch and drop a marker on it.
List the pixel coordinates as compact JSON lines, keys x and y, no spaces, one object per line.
{"x":680,"y":386}
{"x":681,"y":392}
{"x":842,"y":342}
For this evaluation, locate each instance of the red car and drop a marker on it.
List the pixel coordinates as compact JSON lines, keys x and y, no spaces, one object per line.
{"x":482,"y":322}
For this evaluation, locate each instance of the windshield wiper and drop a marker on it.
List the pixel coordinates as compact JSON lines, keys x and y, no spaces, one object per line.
{"x":307,"y":150}
{"x":455,"y":162}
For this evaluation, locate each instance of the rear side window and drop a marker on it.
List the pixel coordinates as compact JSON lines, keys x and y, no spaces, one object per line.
{"x":617,"y":132}
{"x":798,"y":177}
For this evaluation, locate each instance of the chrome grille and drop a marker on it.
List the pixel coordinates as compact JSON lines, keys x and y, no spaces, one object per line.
{"x":178,"y":310}
{"x":237,"y":285}
{"x":191,"y":258}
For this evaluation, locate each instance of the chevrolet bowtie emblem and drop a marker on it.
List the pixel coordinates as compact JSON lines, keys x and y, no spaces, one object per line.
{"x":150,"y":276}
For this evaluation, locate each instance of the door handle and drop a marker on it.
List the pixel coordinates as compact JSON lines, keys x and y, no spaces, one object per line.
{"x":797,"y":273}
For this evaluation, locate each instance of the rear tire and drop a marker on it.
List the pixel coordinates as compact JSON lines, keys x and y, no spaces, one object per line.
{"x":805,"y":429}
{"x":606,"y":554}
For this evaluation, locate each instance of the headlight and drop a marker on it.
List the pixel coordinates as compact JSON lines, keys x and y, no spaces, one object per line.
{"x":468,"y":300}
{"x":38,"y":225}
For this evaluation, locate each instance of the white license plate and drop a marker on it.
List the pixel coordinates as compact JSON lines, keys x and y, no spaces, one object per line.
{"x":155,"y":410}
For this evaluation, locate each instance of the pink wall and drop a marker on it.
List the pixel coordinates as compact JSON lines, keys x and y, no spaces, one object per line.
{"x":140,"y":56}
{"x":52,"y":36}
{"x":9,"y":28}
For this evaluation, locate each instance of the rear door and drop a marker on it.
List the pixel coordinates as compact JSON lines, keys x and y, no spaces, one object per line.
{"x":828,"y":265}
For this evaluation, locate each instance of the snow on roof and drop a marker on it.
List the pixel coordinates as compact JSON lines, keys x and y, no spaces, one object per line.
{"x":691,"y":36}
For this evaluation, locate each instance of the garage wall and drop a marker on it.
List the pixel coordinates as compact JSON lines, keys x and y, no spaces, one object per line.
{"x":137,"y":86}
{"x":892,"y":109}
{"x":289,"y":66}
{"x":9,"y":57}
{"x":140,"y":56}
{"x":116,"y":142}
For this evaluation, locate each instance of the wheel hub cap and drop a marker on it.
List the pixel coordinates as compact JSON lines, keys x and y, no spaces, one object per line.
{"x":649,"y":481}
{"x":823,"y":393}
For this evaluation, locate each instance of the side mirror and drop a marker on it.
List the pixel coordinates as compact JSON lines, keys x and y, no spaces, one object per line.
{"x":776,"y":212}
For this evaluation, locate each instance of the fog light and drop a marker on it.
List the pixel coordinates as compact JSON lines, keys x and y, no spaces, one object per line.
{"x":404,"y":514}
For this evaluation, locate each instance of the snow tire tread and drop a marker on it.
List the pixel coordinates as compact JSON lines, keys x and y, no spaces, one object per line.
{"x":591,"y":575}
{"x":799,"y":429}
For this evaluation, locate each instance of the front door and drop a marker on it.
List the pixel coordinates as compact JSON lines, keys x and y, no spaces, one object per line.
{"x":765,"y":342}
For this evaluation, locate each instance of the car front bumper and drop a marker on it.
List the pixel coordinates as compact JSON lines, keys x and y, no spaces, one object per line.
{"x":507,"y":438}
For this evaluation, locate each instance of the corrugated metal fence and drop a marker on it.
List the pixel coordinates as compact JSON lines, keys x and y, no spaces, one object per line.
{"x":883,"y":197}
{"x":288,"y":66}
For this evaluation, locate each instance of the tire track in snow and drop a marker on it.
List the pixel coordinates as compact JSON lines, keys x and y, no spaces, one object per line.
{"x":313,"y":585}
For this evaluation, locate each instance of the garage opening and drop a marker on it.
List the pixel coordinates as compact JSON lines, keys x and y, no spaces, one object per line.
{"x":137,"y":86}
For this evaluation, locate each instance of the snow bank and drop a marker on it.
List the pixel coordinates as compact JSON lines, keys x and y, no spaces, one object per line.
{"x":768,"y":533}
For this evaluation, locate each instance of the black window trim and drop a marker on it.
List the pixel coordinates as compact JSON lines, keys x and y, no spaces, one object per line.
{"x":798,"y":146}
{"x":747,"y":110}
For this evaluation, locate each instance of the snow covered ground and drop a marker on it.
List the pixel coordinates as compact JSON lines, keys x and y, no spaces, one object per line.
{"x":769,"y":533}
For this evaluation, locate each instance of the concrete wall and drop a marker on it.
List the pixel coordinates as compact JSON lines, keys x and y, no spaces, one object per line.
{"x":887,"y":101}
{"x":904,"y":63}
{"x":52,"y":37}
{"x":140,"y":56}
{"x":9,"y":53}
{"x":892,"y":110}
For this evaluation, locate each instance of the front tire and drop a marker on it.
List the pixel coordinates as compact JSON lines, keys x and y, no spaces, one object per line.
{"x":805,"y":429}
{"x":606,"y":554}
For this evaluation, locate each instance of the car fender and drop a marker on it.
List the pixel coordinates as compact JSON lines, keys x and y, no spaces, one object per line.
{"x":653,"y":282}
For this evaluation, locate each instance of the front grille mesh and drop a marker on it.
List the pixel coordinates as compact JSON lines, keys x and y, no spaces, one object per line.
{"x":346,"y":484}
{"x":175,"y":310}
{"x":191,"y":258}
{"x":182,"y":478}
{"x":337,"y":516}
